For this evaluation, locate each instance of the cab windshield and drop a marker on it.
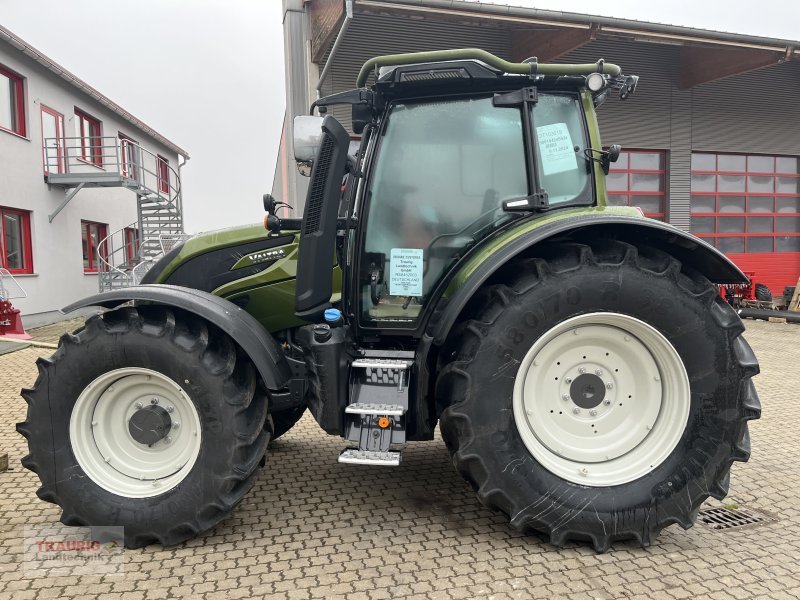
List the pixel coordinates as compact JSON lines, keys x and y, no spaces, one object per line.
{"x":441,"y":175}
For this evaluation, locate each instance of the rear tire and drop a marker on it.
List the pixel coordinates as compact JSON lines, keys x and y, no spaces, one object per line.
{"x":152,"y":356}
{"x":546,"y":471}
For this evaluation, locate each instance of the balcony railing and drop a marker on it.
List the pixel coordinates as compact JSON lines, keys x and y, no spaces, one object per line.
{"x":107,"y":162}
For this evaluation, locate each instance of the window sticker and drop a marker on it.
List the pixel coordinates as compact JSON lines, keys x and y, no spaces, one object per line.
{"x":405,"y":272}
{"x":556,"y":148}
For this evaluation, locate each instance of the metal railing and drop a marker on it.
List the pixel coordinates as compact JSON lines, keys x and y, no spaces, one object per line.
{"x":111,"y":161}
{"x":9,"y":288}
{"x":106,"y":156}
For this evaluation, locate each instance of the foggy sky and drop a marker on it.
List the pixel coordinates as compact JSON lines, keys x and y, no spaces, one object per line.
{"x":208,"y":74}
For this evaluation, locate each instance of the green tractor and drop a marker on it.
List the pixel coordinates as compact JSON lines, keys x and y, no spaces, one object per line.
{"x":464,"y":268}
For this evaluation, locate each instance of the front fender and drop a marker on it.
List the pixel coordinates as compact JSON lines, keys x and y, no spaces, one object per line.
{"x":245,"y":330}
{"x":621,"y":224}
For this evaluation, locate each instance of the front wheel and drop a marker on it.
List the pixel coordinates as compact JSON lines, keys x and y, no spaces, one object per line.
{"x":600,"y":393}
{"x":149,"y":419}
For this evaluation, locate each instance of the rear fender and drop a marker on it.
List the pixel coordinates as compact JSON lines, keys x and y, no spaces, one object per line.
{"x":635,"y":230}
{"x":246,"y":331}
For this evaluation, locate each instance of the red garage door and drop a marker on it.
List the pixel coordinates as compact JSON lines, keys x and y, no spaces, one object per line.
{"x":749,"y":207}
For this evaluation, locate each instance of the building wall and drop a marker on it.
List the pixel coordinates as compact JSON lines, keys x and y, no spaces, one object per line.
{"x":58,"y":277}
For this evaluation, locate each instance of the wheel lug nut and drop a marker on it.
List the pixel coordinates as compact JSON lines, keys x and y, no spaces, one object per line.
{"x":593,"y":413}
{"x":565,"y":397}
{"x":170,"y":409}
{"x":599,"y":372}
{"x":576,"y":411}
{"x":609,"y":385}
{"x":582,"y":370}
{"x":568,"y":379}
{"x":154,"y":401}
{"x":607,"y":402}
{"x":168,"y":439}
{"x":176,"y":425}
{"x":139,"y":405}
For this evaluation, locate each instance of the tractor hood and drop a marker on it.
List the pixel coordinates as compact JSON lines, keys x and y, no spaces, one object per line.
{"x":209,"y":261}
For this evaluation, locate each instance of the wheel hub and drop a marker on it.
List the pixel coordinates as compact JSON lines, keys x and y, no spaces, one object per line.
{"x":587,"y":391}
{"x":135,"y":432}
{"x":149,"y":425}
{"x":601,"y":399}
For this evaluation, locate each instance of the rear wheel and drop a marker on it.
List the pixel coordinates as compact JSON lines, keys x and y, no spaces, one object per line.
{"x":601,"y":394}
{"x":148,"y":419}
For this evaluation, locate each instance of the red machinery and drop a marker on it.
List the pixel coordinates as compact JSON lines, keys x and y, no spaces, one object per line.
{"x":10,"y":319}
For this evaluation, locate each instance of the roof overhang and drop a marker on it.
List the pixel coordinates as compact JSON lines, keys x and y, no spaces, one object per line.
{"x":76,"y":82}
{"x":705,"y":55}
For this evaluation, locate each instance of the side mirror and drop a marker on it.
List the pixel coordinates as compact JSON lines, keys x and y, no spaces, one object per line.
{"x":610,"y":156}
{"x":307,"y":137}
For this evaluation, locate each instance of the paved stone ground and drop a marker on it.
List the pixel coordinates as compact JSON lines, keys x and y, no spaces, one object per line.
{"x":312,"y":528}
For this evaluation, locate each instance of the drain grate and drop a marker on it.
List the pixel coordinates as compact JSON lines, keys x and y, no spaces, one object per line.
{"x":727,"y":518}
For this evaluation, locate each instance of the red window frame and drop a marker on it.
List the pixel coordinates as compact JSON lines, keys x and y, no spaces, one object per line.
{"x":90,"y":128}
{"x":628,"y":192}
{"x":163,"y":174}
{"x":18,"y":82}
{"x":59,"y":136}
{"x":750,"y":198}
{"x":129,"y":156}
{"x":90,"y":255}
{"x":27,"y":246}
{"x":132,"y":244}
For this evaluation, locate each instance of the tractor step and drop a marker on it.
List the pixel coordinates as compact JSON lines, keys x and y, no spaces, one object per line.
{"x":375,"y":419}
{"x":354,"y":456}
{"x":379,"y":410}
{"x":390,"y":364}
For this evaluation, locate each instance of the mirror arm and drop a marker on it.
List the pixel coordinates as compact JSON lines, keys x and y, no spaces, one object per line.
{"x":606,"y":156}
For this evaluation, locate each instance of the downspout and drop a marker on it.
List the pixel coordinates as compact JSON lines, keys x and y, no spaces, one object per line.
{"x":180,"y":191}
{"x":348,"y":16}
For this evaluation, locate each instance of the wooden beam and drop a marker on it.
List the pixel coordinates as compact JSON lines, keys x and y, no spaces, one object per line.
{"x":326,"y":19}
{"x":548,"y":44}
{"x":703,"y":64}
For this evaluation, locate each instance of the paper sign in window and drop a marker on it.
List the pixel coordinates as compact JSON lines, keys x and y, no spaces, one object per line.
{"x":556,"y":149}
{"x":405,"y":272}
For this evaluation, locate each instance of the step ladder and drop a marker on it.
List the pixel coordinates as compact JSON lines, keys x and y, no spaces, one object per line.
{"x":375,"y":417}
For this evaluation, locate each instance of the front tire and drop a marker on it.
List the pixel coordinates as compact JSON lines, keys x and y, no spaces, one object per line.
{"x":147,"y":418}
{"x":679,"y":385}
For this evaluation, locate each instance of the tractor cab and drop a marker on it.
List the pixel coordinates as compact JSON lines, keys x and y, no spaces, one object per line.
{"x":457,"y":148}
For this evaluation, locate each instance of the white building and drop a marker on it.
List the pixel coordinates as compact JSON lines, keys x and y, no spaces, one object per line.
{"x":88,"y":192}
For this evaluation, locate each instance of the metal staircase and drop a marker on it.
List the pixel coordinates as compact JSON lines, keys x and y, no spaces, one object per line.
{"x":125,"y":255}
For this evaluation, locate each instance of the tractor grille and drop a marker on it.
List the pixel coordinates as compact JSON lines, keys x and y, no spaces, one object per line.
{"x":317,"y":194}
{"x":727,"y":518}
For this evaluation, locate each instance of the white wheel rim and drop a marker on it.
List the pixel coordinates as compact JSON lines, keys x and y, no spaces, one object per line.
{"x":107,"y":451}
{"x":617,"y":423}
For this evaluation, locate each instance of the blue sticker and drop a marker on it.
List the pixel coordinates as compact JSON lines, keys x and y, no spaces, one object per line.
{"x":405,"y":272}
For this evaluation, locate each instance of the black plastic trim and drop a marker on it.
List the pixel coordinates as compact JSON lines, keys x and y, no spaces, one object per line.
{"x":245,"y":330}
{"x":318,"y":233}
{"x":687,"y":248}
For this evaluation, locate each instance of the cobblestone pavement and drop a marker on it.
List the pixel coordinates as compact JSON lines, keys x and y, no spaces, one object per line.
{"x":312,"y":528}
{"x":50,"y":333}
